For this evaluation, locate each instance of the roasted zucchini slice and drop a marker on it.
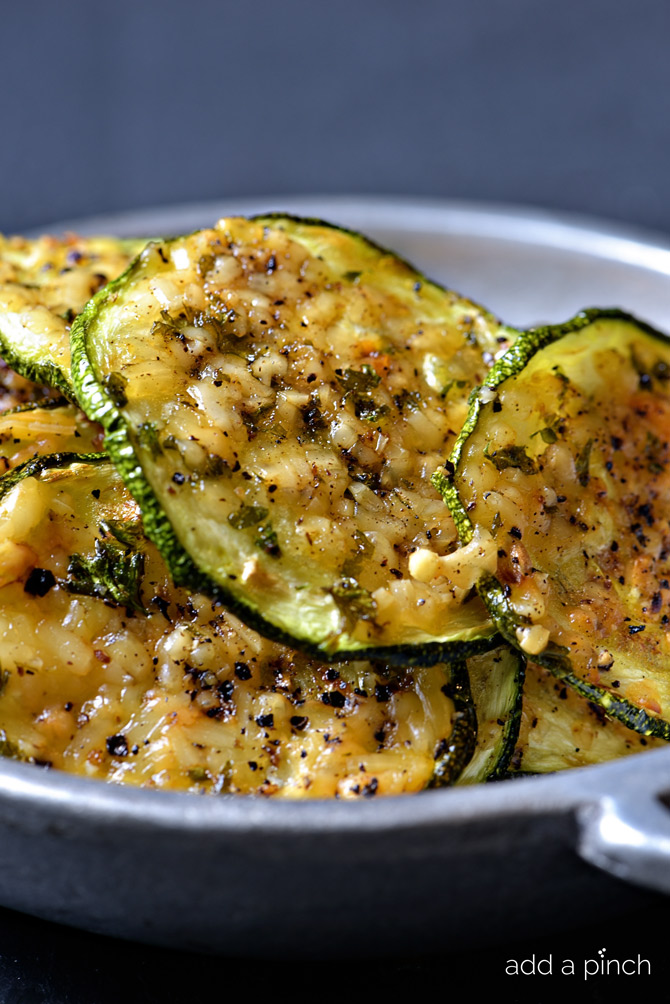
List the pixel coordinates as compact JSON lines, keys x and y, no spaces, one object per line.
{"x":487,"y":693}
{"x":111,"y":671}
{"x":276,"y":394}
{"x":559,"y":729}
{"x":562,"y":474}
{"x":44,"y":284}
{"x":496,"y":687}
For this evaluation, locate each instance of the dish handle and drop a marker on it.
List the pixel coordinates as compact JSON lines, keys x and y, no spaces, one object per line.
{"x":628,"y":835}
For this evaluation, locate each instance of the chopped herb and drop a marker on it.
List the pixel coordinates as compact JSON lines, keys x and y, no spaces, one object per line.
{"x":8,"y":748}
{"x":358,"y":381}
{"x":655,"y":452}
{"x":267,"y":540}
{"x":352,"y":600}
{"x":352,"y":276}
{"x":248,"y":515}
{"x":438,"y":373}
{"x":410,"y":399}
{"x":311,"y":415}
{"x":171,"y":326}
{"x":128,"y":532}
{"x":358,"y":385}
{"x":110,"y":574}
{"x":147,"y":437}
{"x":214,"y":466}
{"x":460,"y":384}
{"x":205,"y":264}
{"x":198,"y":774}
{"x":364,"y":549}
{"x":369,"y":410}
{"x":642,"y":371}
{"x":582,"y":463}
{"x":565,"y":382}
{"x":115,"y":384}
{"x":548,"y":433}
{"x":251,"y":419}
{"x":277,"y":431}
{"x":512,"y":456}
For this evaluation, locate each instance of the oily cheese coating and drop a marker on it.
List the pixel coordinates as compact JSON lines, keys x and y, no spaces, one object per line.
{"x":568,"y":472}
{"x":38,"y":430}
{"x":112,"y":672}
{"x":44,"y":284}
{"x":296,"y":386}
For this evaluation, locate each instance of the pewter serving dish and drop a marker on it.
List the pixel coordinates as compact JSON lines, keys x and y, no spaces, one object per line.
{"x":241,"y":875}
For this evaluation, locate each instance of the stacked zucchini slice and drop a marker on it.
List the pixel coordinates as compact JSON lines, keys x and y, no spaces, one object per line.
{"x":563,"y":462}
{"x":274,"y":397}
{"x":277,"y":394}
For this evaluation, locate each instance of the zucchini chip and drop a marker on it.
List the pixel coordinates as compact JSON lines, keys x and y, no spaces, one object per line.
{"x":563,"y":466}
{"x":111,"y":671}
{"x":560,"y":729}
{"x":276,"y":394}
{"x":496,"y":686}
{"x":44,"y":284}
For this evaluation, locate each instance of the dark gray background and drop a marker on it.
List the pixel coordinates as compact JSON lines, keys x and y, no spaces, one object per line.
{"x":559,"y":104}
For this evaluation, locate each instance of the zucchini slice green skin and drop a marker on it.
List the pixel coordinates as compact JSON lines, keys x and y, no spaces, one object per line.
{"x":563,"y":463}
{"x":18,"y":392}
{"x":37,"y":466}
{"x":272,"y":363}
{"x":453,"y":754}
{"x":44,"y":284}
